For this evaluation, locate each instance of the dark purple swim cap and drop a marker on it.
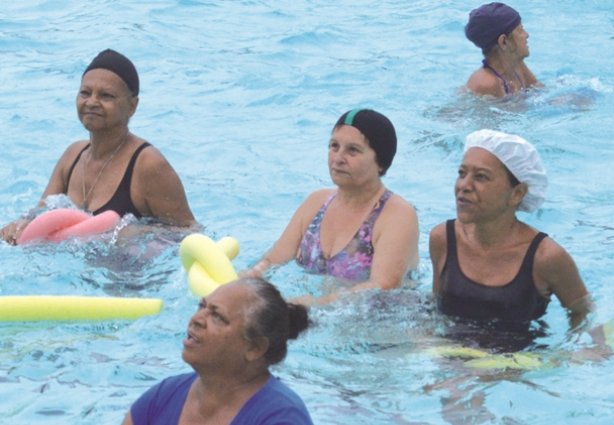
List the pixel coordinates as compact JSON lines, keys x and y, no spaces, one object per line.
{"x":118,"y":64}
{"x":378,"y":130}
{"x":488,"y":22}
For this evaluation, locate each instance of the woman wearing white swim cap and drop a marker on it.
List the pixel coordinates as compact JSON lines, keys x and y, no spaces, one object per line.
{"x":487,"y":264}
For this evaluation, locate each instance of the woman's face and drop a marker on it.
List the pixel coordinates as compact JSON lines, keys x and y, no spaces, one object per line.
{"x":215,"y":339}
{"x":519,"y":42}
{"x":104,"y":101}
{"x":483,"y":190}
{"x":351,"y":161}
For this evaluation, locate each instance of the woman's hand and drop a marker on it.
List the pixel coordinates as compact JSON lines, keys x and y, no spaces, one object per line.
{"x":11,"y":232}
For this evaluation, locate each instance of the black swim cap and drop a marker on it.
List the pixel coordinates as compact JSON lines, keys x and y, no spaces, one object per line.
{"x":488,"y":22}
{"x":119,"y":64}
{"x":378,"y":130}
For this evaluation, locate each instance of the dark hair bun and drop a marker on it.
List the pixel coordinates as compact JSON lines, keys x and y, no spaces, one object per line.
{"x":298,"y":318}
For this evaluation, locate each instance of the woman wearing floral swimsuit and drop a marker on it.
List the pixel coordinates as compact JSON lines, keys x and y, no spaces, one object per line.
{"x":359,"y":231}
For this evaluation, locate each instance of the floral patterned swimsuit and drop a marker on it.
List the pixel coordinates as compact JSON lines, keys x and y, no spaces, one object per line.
{"x":354,"y":261}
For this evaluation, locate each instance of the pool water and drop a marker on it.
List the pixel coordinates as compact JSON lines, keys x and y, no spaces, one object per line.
{"x":240,"y":97}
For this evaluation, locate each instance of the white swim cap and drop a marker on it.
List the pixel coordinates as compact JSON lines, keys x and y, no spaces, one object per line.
{"x":520,"y":157}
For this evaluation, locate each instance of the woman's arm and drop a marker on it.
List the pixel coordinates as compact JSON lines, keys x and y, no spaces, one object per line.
{"x":556,"y":272}
{"x":395,"y":244}
{"x":286,"y":247}
{"x":158,"y":191}
{"x":57,"y":182}
{"x":56,"y":185}
{"x":437,"y":252}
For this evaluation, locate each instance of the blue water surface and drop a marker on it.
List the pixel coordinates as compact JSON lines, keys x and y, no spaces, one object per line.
{"x":240,"y":97}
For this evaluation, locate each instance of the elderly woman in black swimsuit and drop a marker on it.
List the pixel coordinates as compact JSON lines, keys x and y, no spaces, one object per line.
{"x":114,"y":169}
{"x":496,"y":29}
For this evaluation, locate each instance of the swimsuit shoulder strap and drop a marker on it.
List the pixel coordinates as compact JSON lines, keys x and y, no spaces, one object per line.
{"x":527,"y":262}
{"x":130,"y":168}
{"x":486,"y":65}
{"x":450,"y":241}
{"x":377,"y":209}
{"x":72,"y":167}
{"x":328,"y":200}
{"x":121,"y":201}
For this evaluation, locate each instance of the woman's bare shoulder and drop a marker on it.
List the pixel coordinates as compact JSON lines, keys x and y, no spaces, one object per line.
{"x":75,"y":147}
{"x":484,"y":83}
{"x":151,"y":163}
{"x":70,"y":153}
{"x":319,"y":196}
{"x":398,"y":207}
{"x":437,"y":235}
{"x":398,"y":201}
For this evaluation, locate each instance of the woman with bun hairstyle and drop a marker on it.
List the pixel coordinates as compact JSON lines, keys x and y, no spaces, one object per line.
{"x":237,"y":333}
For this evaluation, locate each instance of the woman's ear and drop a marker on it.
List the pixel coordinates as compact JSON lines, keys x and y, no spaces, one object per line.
{"x":258,"y":348}
{"x":134,"y":102}
{"x":502,"y":41}
{"x":518,"y":193}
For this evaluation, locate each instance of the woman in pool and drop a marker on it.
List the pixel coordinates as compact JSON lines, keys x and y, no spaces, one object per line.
{"x":236,"y":334}
{"x":496,"y":29}
{"x":488,"y":265}
{"x":114,"y":169}
{"x":360,"y":231}
{"x":493,"y":275}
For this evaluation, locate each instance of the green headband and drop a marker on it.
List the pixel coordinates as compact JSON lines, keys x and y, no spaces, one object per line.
{"x":349,"y":119}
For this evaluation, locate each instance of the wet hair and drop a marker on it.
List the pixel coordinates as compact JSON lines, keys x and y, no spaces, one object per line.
{"x":377,"y":129}
{"x":273,"y":318}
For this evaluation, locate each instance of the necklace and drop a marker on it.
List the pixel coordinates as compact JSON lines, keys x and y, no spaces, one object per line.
{"x":86,"y":161}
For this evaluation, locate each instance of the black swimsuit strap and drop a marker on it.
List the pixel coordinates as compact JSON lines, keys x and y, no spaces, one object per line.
{"x":121,"y":201}
{"x":72,"y":167}
{"x":451,"y":241}
{"x":527,"y":262}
